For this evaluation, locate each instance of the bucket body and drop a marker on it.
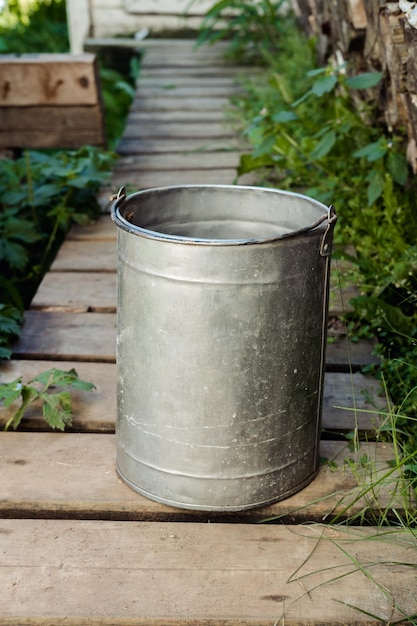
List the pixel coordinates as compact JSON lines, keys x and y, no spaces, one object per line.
{"x":222,"y":311}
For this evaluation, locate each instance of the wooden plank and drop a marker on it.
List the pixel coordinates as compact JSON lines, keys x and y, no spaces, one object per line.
{"x":173,"y":7}
{"x":77,"y":292}
{"x":173,"y":117}
{"x":67,"y":475}
{"x":141,"y":573}
{"x":40,"y":138}
{"x":67,"y":336}
{"x":187,"y":161}
{"x":147,"y":180}
{"x":358,"y":397}
{"x":201,"y":90}
{"x":181,"y":129}
{"x":179,"y":81}
{"x":95,"y":255}
{"x":164,"y":58}
{"x":344,"y":355}
{"x":102,"y":229}
{"x":48,"y":79}
{"x":159,"y":145}
{"x":169,"y":102}
{"x":235,"y":71}
{"x":56,"y":119}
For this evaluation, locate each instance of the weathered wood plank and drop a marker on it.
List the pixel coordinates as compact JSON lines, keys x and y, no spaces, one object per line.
{"x":146,"y":180}
{"x":166,"y":130}
{"x":95,"y":255}
{"x":160,"y":145}
{"x":179,"y":81}
{"x":344,"y":355}
{"x":173,"y":7}
{"x":102,"y":229}
{"x":172,"y":117}
{"x":202,"y":574}
{"x":67,"y":336}
{"x":187,"y":161}
{"x":46,"y":79}
{"x":67,"y":475}
{"x":41,"y":138}
{"x":201,"y":90}
{"x":162,"y":58}
{"x":358,"y":397}
{"x":235,"y":71}
{"x":77,"y":292}
{"x":169,"y":103}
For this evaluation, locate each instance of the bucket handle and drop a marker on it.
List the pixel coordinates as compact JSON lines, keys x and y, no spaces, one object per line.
{"x":326,"y":247}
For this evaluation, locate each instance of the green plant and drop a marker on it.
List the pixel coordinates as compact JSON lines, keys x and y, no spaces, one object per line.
{"x":41,"y":196}
{"x":321,"y":144}
{"x":118,"y":93}
{"x":252,"y":27}
{"x":36,"y":26}
{"x":56,"y":405}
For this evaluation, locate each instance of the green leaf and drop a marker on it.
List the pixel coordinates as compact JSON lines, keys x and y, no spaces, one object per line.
{"x":266,"y":146}
{"x":284,"y":116}
{"x":28,"y":394}
{"x":375,"y":187}
{"x":57,"y":409}
{"x":324,"y":146}
{"x":364,"y":81}
{"x":14,"y":254}
{"x":248,"y":163}
{"x":397,"y":167}
{"x":9,"y":392}
{"x":373,"y":151}
{"x":324,"y":85}
{"x":61,"y":378}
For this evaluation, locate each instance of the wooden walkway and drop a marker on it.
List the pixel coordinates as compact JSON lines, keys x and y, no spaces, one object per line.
{"x":77,"y":545}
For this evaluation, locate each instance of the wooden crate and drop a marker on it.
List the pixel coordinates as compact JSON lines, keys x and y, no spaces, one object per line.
{"x":50,"y":101}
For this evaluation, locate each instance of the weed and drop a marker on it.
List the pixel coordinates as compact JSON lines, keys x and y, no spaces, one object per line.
{"x":252,"y":28}
{"x":41,"y":196}
{"x":56,"y":405}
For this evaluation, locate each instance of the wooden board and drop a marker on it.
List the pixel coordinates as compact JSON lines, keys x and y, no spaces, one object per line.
{"x":50,"y":101}
{"x":173,"y":7}
{"x":103,"y":229}
{"x":93,"y":255}
{"x":169,"y":103}
{"x":147,"y":180}
{"x":350,"y":400}
{"x":68,"y":336}
{"x":76,"y":292}
{"x":123,"y":573}
{"x":184,"y":160}
{"x":179,"y":130}
{"x":65,"y":475}
{"x":201,"y":90}
{"x":179,"y":81}
{"x":48,"y":79}
{"x":173,"y":117}
{"x":160,"y":145}
{"x":46,"y":127}
{"x":235,"y":72}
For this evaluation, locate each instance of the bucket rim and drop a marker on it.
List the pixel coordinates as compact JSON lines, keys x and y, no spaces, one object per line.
{"x":117,"y":201}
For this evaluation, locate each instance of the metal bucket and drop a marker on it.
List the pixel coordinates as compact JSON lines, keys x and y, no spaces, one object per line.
{"x":222,"y":311}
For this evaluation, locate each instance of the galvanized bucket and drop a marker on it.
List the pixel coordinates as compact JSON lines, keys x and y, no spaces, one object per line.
{"x":222,"y":311}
